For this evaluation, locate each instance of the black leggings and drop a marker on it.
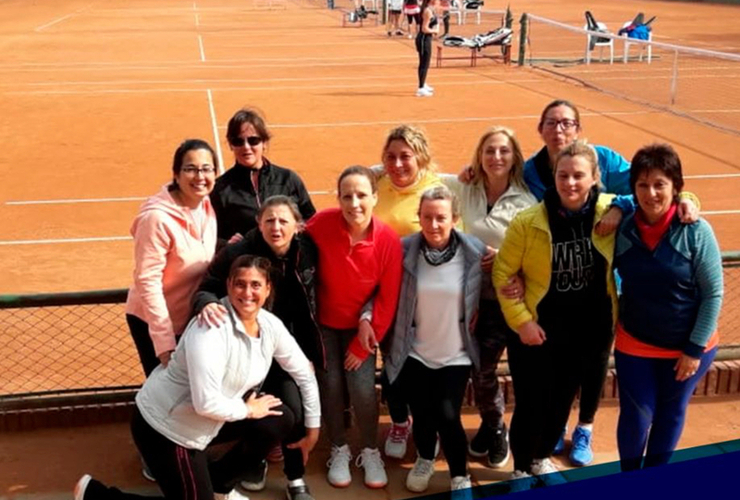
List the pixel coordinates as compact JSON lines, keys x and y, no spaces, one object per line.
{"x":281,"y":385}
{"x":143,"y":342}
{"x":436,"y":397}
{"x":546,"y":380}
{"x":424,"y":48}
{"x":184,"y":473}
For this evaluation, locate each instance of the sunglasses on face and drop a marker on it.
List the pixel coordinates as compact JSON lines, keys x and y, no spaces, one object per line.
{"x":252,"y":140}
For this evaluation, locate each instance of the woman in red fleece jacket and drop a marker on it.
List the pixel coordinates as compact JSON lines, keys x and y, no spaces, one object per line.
{"x":359,"y":259}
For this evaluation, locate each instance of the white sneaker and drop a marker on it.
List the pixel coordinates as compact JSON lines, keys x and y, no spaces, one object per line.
{"x":369,"y":459}
{"x":422,"y":92}
{"x":543,"y":466}
{"x":81,"y":487}
{"x":418,"y":477}
{"x":398,"y":436}
{"x":521,"y":481}
{"x":339,"y":475}
{"x":233,"y":495}
{"x":460,"y":488}
{"x":547,"y":472}
{"x":428,"y":87}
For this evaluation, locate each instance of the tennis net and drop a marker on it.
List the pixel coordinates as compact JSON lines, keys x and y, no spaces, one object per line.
{"x":699,"y":84}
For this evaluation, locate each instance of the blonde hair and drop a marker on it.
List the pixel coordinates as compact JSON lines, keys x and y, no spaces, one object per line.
{"x":581,"y":147}
{"x":416,"y":139}
{"x":516,"y":174}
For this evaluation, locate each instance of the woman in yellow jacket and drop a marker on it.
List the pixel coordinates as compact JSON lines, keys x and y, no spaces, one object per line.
{"x":564,"y":324}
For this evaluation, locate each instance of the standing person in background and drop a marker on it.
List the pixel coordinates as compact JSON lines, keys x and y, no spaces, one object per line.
{"x":413,"y":15}
{"x":566,"y":267}
{"x":429,"y":28}
{"x":444,"y":7}
{"x":293,"y":257}
{"x":431,"y":348}
{"x":394,"y":17}
{"x":359,"y":259}
{"x":210,"y":393}
{"x":671,"y":298}
{"x":239,"y":192}
{"x":495,"y":194}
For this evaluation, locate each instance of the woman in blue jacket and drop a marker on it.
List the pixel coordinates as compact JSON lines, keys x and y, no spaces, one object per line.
{"x":671,"y":297}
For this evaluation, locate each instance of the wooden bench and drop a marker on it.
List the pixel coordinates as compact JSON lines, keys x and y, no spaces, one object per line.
{"x":475,"y":54}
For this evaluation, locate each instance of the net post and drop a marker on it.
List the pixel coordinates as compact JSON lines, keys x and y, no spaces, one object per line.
{"x":384,"y":12}
{"x":674,"y":78}
{"x":524,"y":22}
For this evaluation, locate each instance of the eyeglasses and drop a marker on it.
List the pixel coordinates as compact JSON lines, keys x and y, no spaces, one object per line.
{"x":196,"y":170}
{"x":565,"y":124}
{"x":252,"y":140}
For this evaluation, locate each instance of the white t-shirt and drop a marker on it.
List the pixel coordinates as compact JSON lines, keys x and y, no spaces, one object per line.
{"x":439,"y":312}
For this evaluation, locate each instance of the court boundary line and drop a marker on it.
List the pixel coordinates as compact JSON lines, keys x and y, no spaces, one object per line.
{"x":202,"y":50}
{"x":52,"y":23}
{"x":214,"y":125}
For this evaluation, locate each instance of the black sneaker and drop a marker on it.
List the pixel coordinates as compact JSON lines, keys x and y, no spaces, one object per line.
{"x":256,"y":478}
{"x":498,"y":453}
{"x":300,"y":492}
{"x":478,"y":447}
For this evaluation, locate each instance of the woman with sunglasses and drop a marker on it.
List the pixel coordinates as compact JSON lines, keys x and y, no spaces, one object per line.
{"x":239,"y":192}
{"x":210,"y":393}
{"x":174,"y":241}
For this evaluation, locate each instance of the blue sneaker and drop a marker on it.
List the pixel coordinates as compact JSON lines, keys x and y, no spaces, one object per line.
{"x":560,"y":446}
{"x":581,"y":453}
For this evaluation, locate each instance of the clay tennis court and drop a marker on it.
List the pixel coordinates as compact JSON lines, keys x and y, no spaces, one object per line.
{"x":96,"y":96}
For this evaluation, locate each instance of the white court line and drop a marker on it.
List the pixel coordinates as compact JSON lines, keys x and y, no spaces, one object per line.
{"x":214,"y":126}
{"x":202,"y":51}
{"x":720,"y":212}
{"x":303,"y":88}
{"x":64,"y":240}
{"x":197,"y":20}
{"x":108,"y":200}
{"x":711,"y":176}
{"x":56,"y":21}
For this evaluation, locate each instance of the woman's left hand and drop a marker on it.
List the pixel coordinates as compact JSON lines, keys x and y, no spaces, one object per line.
{"x":486,"y":263}
{"x":306,"y":444}
{"x":609,"y":222}
{"x":687,"y":211}
{"x":366,"y":336}
{"x":686,"y":367}
{"x":352,"y":362}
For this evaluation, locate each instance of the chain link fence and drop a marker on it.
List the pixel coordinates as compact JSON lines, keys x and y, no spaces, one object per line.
{"x":72,"y":345}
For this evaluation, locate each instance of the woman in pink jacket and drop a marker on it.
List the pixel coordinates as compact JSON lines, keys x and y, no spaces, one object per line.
{"x":174,"y":241}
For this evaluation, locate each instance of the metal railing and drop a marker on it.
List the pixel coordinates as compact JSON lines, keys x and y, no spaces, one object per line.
{"x":75,"y":348}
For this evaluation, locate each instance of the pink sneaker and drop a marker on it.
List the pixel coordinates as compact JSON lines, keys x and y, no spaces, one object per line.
{"x":395,"y":443}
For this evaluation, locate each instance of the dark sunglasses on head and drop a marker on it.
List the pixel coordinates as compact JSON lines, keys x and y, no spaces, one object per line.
{"x":252,"y":140}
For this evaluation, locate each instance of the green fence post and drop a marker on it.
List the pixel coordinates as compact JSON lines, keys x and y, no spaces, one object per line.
{"x":524,"y":22}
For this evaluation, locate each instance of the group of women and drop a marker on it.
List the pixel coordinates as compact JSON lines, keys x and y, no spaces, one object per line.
{"x":481,"y":266}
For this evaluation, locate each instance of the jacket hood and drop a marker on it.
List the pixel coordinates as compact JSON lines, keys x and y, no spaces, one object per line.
{"x":165,"y":203}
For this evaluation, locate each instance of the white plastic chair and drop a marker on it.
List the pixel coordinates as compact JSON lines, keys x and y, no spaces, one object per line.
{"x":467,"y":11}
{"x":457,"y":10}
{"x":600,"y":44}
{"x":641,"y":46}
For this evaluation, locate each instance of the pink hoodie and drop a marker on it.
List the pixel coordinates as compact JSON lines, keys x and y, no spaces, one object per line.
{"x":171,"y":258}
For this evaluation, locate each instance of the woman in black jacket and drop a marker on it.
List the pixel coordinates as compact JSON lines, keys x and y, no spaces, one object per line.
{"x":239,"y":193}
{"x":293,"y":256}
